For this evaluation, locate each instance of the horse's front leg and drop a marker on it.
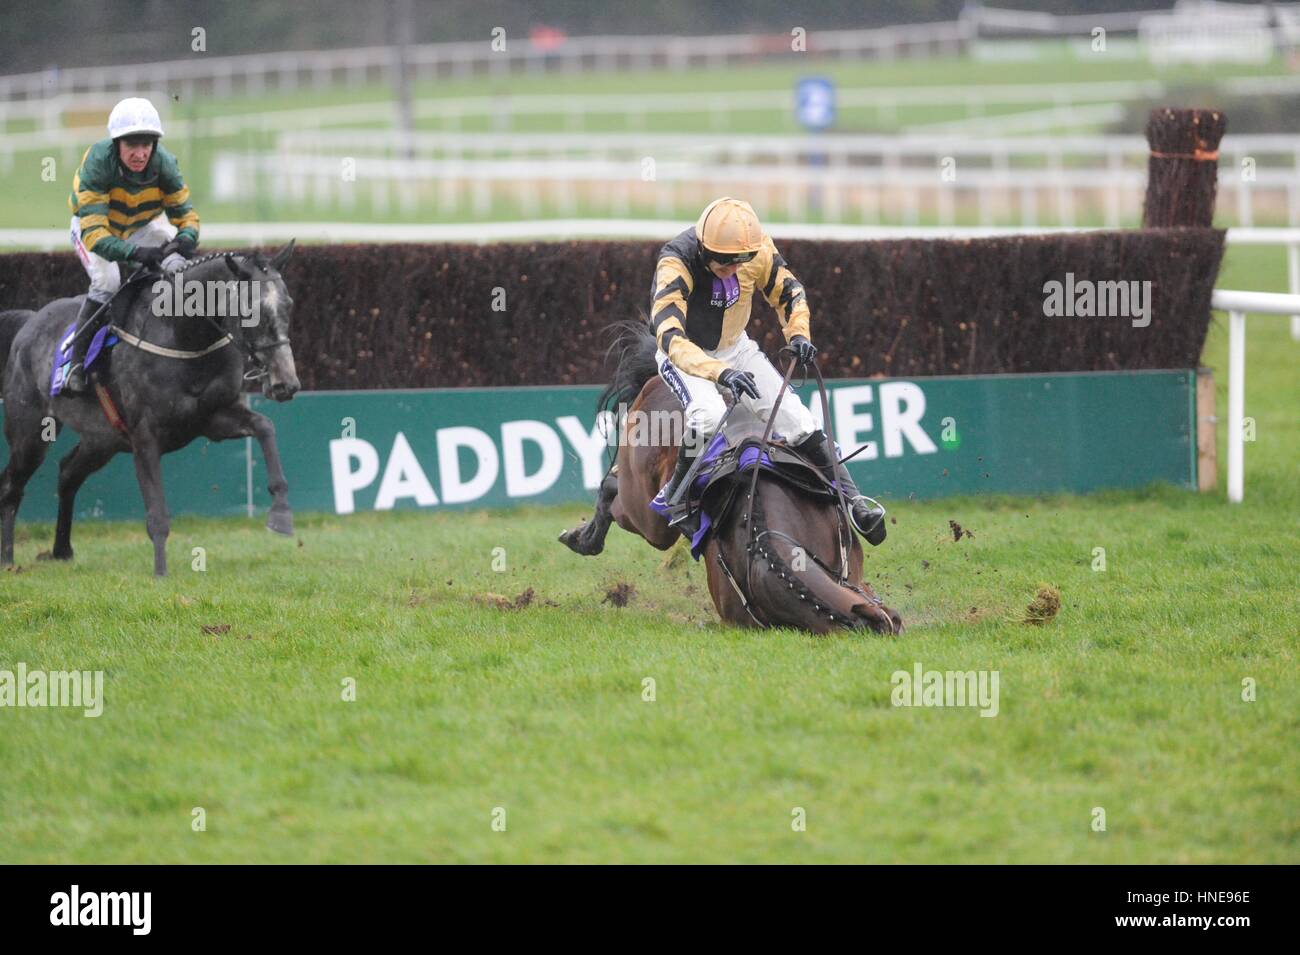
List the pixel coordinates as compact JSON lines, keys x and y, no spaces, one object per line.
{"x":240,"y":421}
{"x":148,"y":471}
{"x":588,"y":538}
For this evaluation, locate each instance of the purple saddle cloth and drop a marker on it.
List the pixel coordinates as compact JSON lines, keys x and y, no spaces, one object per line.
{"x":699,"y":520}
{"x":104,"y":339}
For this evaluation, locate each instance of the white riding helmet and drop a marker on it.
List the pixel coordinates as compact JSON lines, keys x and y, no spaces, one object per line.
{"x":134,"y":115}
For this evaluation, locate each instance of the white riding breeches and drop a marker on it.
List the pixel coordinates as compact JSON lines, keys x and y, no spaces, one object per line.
{"x":703,"y":401}
{"x":105,"y":275}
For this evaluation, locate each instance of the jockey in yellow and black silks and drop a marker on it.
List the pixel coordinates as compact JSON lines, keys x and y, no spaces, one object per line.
{"x":703,"y":286}
{"x":130,"y":207}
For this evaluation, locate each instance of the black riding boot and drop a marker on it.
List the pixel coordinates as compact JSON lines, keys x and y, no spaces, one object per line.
{"x":868,"y":517}
{"x":76,"y":371}
{"x":684,"y":461}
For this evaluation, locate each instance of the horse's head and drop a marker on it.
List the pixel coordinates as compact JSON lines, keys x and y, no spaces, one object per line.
{"x":263,"y":333}
{"x":790,"y":565}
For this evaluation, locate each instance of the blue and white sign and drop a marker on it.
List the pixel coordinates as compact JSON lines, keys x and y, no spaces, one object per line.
{"x":814,"y":102}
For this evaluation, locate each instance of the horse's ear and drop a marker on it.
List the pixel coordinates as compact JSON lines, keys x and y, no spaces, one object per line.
{"x":281,"y":257}
{"x":237,"y":266}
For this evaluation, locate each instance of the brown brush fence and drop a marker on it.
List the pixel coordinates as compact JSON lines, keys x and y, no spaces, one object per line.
{"x":422,"y":316}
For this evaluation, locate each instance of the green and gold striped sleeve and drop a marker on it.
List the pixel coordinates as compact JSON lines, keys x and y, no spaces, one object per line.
{"x":673,"y":286}
{"x":176,"y":200}
{"x":89,"y":202}
{"x":783,"y":292}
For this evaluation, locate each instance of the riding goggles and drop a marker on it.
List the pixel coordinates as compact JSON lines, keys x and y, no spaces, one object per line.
{"x":728,"y":258}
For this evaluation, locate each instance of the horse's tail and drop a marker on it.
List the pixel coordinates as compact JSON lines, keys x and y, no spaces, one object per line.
{"x":635,"y":347}
{"x":10,"y":322}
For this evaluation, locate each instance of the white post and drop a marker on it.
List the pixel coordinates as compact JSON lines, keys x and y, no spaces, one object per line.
{"x":1293,"y":274}
{"x":1236,"y":403}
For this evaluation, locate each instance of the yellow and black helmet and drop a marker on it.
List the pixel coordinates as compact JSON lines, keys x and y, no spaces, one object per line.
{"x":729,"y":231}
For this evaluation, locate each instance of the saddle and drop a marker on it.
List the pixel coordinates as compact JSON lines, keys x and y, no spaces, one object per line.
{"x":727,"y":465}
{"x":102,"y":339}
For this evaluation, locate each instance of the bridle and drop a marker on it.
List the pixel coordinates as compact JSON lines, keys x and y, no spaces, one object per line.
{"x":251,"y":353}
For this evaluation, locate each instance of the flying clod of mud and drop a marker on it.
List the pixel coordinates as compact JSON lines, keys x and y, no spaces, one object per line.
{"x":502,"y":602}
{"x":1045,"y":605}
{"x":620,"y":594}
{"x":678,"y":556}
{"x":958,"y":531}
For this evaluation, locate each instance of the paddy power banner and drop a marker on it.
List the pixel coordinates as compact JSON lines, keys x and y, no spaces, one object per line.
{"x":346,"y":452}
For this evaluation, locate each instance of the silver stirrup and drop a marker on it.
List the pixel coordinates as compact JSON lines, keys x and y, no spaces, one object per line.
{"x":864,"y":531}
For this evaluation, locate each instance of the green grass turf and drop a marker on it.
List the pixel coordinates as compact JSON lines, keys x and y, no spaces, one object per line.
{"x":1129,"y":701}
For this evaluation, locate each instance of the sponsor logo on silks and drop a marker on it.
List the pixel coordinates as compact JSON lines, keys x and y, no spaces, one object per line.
{"x":673,"y":379}
{"x":1085,"y":298}
{"x":924,"y":687}
{"x":75,"y":907}
{"x":527,"y":458}
{"x":726,"y":292}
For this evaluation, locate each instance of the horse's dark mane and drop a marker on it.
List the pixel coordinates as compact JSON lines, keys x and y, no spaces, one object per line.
{"x":635,"y":347}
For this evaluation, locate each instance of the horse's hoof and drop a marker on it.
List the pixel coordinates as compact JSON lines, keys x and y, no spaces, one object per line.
{"x":280,"y":522}
{"x":578,"y":542}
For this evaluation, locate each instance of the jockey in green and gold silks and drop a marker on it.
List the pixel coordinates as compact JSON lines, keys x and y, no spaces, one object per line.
{"x":130,"y":206}
{"x":703,"y":287}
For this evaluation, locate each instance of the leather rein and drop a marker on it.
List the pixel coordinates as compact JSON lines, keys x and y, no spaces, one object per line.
{"x":252,"y":353}
{"x":843,"y":525}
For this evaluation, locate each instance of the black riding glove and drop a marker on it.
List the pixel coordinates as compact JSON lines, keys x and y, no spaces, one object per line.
{"x":183,"y":245}
{"x":148,"y":256}
{"x":738,"y":383}
{"x":804,"y":350}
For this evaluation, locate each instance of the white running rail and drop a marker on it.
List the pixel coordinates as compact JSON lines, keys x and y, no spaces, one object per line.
{"x":1237,"y":304}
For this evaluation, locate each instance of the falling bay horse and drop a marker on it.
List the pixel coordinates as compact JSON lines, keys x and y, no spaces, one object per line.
{"x":173,"y":379}
{"x":784,"y":571}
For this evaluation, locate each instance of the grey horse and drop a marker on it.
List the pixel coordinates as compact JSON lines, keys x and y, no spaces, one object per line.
{"x":173,"y":379}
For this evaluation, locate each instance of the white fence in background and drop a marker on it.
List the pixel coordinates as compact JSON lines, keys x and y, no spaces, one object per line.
{"x":1204,"y":31}
{"x":257,"y":73}
{"x":1237,"y":305}
{"x":861,"y":178}
{"x":503,"y":109}
{"x":67,"y":122}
